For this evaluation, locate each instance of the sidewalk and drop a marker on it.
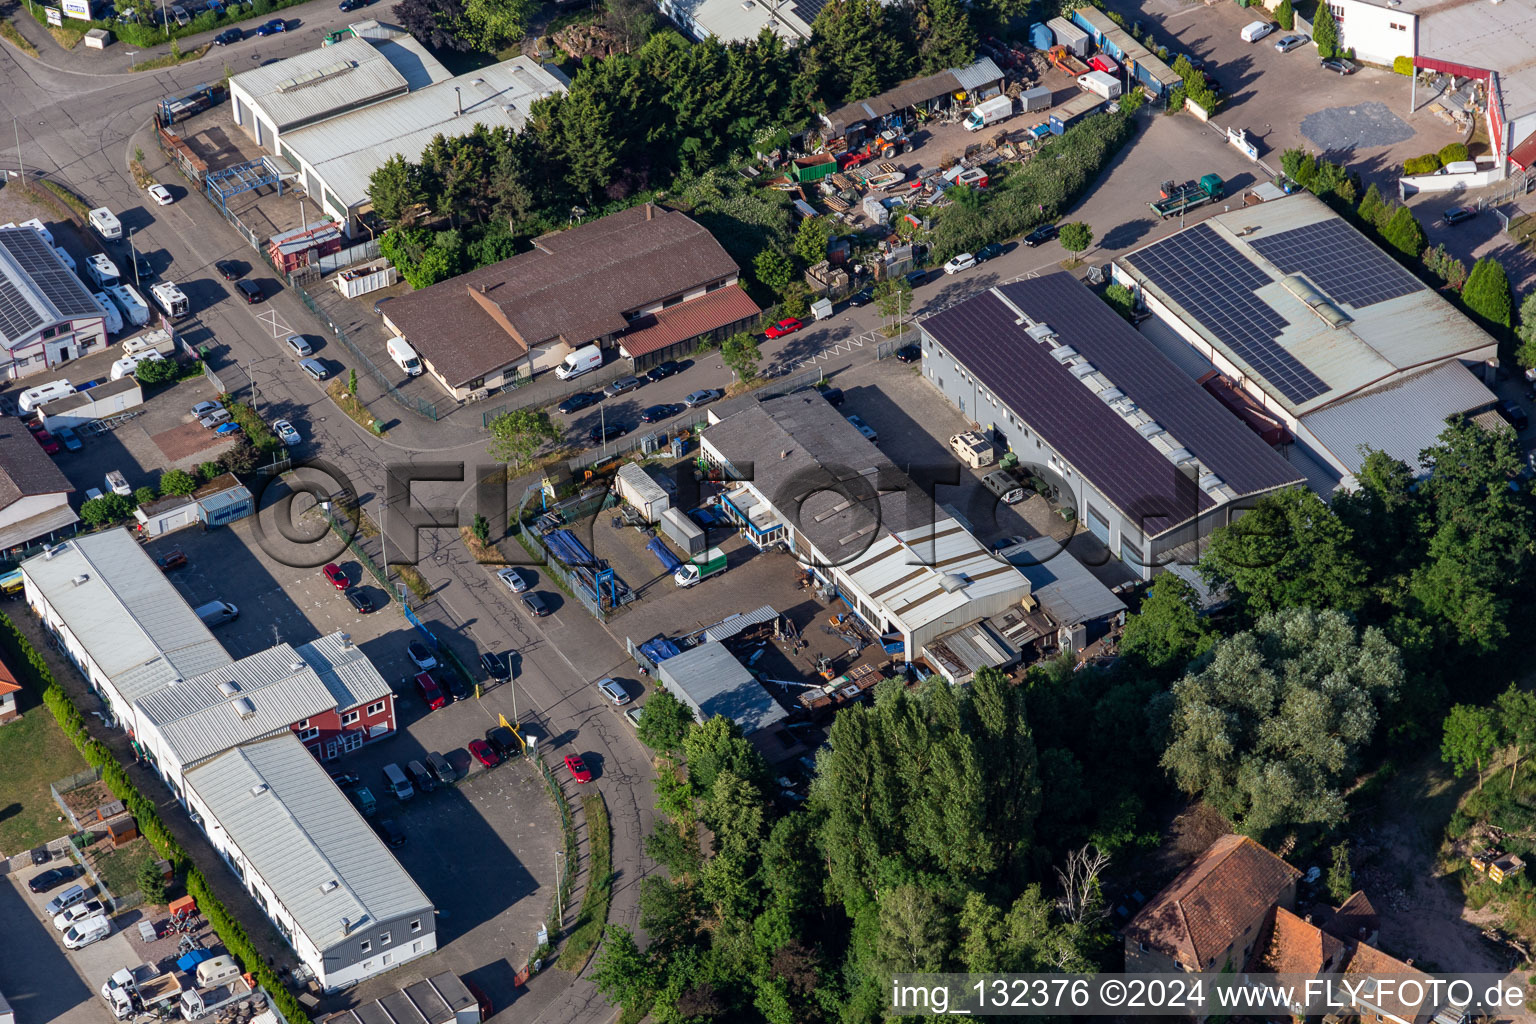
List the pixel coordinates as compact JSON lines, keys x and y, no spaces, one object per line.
{"x":221,"y":879}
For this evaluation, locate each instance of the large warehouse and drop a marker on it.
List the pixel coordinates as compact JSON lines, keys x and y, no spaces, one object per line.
{"x":1145,"y":458}
{"x":1319,"y":326}
{"x":335,"y":114}
{"x":47,"y":316}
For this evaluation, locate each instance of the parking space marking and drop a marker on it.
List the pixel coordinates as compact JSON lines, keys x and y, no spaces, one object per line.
{"x":273,"y":319}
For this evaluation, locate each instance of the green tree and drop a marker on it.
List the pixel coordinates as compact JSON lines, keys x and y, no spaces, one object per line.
{"x":1076,"y":237}
{"x":177,"y":483}
{"x":1285,"y":16}
{"x":109,"y":508}
{"x":1290,"y":551}
{"x":1517,"y":724}
{"x":1271,"y":728}
{"x":717,"y":747}
{"x":144,"y":495}
{"x":1526,"y":331}
{"x":773,"y":269}
{"x":1373,"y":209}
{"x":1121,"y":300}
{"x":915,"y":930}
{"x":151,"y":885}
{"x":1341,"y":879}
{"x":480,"y":529}
{"x":1403,"y":231}
{"x":1486,"y":293}
{"x":352,"y":383}
{"x":741,"y":354}
{"x":946,"y":38}
{"x":208,"y":470}
{"x":1471,"y":736}
{"x":811,"y":241}
{"x":856,"y":46}
{"x":1325,"y":32}
{"x":893,"y":296}
{"x":157,"y":371}
{"x":624,"y":974}
{"x":395,"y":190}
{"x":1166,"y":632}
{"x":517,"y":435}
{"x":664,"y":722}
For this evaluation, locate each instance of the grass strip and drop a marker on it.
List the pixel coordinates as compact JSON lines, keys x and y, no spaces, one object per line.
{"x":170,"y":60}
{"x":593,"y":916}
{"x":349,"y":403}
{"x":13,"y":35}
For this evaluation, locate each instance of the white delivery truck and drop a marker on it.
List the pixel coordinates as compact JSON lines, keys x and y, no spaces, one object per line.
{"x":579,"y":362}
{"x":128,"y":299}
{"x":109,"y":312}
{"x":404,"y":356}
{"x":101,"y":271}
{"x":83,"y":933}
{"x":33,"y":397}
{"x":106,"y":224}
{"x":989,"y":112}
{"x":170,"y":298}
{"x":1100,"y":83}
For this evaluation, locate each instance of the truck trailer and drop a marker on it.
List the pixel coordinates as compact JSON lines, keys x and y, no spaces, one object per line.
{"x":1177,"y":199}
{"x":1101,"y":84}
{"x":702,"y":567}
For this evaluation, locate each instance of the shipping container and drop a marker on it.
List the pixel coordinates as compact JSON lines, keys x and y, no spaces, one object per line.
{"x":1069,"y":35}
{"x":682,"y":531}
{"x":1074,"y":110}
{"x":637,"y":487}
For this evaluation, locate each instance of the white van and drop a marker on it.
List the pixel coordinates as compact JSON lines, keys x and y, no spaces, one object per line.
{"x":33,"y":397}
{"x":83,"y":933}
{"x":217,"y":613}
{"x":1004,"y":486}
{"x":404,"y":356}
{"x":579,"y":362}
{"x":399,"y":785}
{"x":106,"y":224}
{"x":170,"y":298}
{"x":109,"y":312}
{"x":1256,"y":30}
{"x":102,"y":271}
{"x":118,"y":484}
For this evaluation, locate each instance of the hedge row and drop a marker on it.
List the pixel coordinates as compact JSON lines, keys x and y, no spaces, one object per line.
{"x":20,"y":651}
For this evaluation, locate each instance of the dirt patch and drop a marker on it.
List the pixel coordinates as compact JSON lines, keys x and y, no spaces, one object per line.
{"x":83,"y":801}
{"x":187,"y":440}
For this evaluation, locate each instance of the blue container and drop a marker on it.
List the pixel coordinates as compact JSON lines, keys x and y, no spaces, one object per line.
{"x":1041,"y":37}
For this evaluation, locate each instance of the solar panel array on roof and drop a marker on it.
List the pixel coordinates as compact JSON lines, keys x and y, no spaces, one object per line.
{"x":17,"y":316}
{"x":807,"y":10}
{"x":1212,"y":281}
{"x":1340,"y":261}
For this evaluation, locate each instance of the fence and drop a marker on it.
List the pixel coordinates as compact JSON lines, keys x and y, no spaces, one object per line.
{"x":82,"y":831}
{"x":568,"y":832}
{"x":891,"y":346}
{"x":786,"y":385}
{"x":418,"y":405}
{"x":624,"y":449}
{"x":61,"y":786}
{"x":557,"y":572}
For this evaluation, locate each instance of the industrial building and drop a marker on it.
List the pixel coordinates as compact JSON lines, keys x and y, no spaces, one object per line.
{"x":1143,"y":457}
{"x":1489,"y":43}
{"x":34,"y":493}
{"x":712,"y":682}
{"x":441,"y":999}
{"x":647,"y":284}
{"x":799,"y":474}
{"x":47,"y":316}
{"x":332,"y":116}
{"x":328,"y":883}
{"x":737,"y":21}
{"x":1319,"y":327}
{"x":854,"y":123}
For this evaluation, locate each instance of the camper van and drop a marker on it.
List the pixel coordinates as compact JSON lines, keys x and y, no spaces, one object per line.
{"x":1002,"y":484}
{"x":128,"y":299}
{"x":579,"y":362}
{"x":150,"y":341}
{"x":66,"y":259}
{"x":33,"y":397}
{"x":170,"y":298}
{"x":404,"y":356}
{"x":101,"y":271}
{"x":109,"y":313}
{"x":106,"y":224}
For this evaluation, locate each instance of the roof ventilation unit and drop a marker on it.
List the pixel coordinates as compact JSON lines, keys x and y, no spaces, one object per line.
{"x":951,"y":583}
{"x":1062,"y":354}
{"x":81,"y":579}
{"x":258,"y":789}
{"x":1150,"y":429}
{"x":1210,"y":482}
{"x":1081,"y":370}
{"x":1109,"y":396}
{"x":329,"y":886}
{"x":1040,"y":332}
{"x":1181,"y":456}
{"x":229,"y":688}
{"x":244,"y":707}
{"x":346,"y":640}
{"x":296,"y":666}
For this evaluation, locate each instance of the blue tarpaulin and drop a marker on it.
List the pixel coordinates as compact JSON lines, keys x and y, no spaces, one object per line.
{"x":564,"y":546}
{"x":659,"y":649}
{"x":668,"y":560}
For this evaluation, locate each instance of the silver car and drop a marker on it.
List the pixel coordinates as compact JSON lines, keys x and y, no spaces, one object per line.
{"x":315,"y":368}
{"x":1285,"y":44}
{"x":513,"y":578}
{"x":613,"y":691}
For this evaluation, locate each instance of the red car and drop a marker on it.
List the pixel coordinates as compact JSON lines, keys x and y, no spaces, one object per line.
{"x":577,"y":768}
{"x":46,"y":440}
{"x":484,"y":754}
{"x":783,"y":327}
{"x":337,"y":578}
{"x":431,"y":693}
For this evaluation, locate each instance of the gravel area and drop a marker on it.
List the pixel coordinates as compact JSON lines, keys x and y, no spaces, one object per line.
{"x":1362,"y":126}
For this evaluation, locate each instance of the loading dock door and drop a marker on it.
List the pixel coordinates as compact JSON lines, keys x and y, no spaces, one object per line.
{"x":1098,"y":525}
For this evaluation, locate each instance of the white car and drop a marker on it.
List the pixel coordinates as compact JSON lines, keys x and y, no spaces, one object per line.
{"x":285,"y":430}
{"x":161,"y":195}
{"x":78,"y":912}
{"x":513,"y":578}
{"x":965,"y":261}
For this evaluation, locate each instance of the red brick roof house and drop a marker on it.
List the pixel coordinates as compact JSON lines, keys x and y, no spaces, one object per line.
{"x":8,"y":690}
{"x":1213,"y":915}
{"x":1294,"y":945}
{"x":647,"y":282}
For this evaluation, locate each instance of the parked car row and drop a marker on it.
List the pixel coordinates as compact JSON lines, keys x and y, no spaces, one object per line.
{"x":81,"y":919}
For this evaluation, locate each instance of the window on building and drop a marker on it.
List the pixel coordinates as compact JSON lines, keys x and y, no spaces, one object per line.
{"x":388,"y":958}
{"x":350,"y":718}
{"x":367,"y":965}
{"x":941,"y":382}
{"x":301,"y":726}
{"x":415,"y":926}
{"x":305,"y":735}
{"x":1399,"y":28}
{"x":384,"y":938}
{"x":375,"y":708}
{"x":367,"y":945}
{"x":416,"y":946}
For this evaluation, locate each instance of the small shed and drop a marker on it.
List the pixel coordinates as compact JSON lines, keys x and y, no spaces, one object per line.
{"x":223,"y":500}
{"x":122,"y":829}
{"x":165,"y":515}
{"x":108,"y":811}
{"x":645,"y":494}
{"x":97,"y":39}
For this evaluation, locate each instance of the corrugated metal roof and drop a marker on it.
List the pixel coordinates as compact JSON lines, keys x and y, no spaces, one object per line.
{"x":21,"y":531}
{"x":1496,"y":36}
{"x":300,"y":834}
{"x":733,"y":624}
{"x":321,"y":84}
{"x":345,"y":670}
{"x":1402,"y":418}
{"x":930,"y":573}
{"x":707,"y":313}
{"x":741,"y":21}
{"x":347,"y":149}
{"x":974,"y":76}
{"x":712,"y":682}
{"x":1396,"y":337}
{"x":960,"y":652}
{"x":245,"y":700}
{"x":1066,"y":590}
{"x":129,"y":617}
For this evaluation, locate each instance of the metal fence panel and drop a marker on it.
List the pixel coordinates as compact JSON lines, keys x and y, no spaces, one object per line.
{"x":786,"y":385}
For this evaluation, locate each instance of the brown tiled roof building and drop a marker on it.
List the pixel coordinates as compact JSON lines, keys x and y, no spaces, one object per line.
{"x":1214,"y":913}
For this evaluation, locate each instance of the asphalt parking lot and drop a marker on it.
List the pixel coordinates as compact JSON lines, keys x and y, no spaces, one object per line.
{"x":40,"y":978}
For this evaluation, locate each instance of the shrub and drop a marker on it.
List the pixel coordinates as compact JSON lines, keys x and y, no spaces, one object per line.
{"x":109,"y":508}
{"x":1285,"y":15}
{"x":209,"y":470}
{"x":177,"y":483}
{"x":158,"y":371}
{"x":1402,"y":65}
{"x":1453,"y":153}
{"x":144,"y":495}
{"x":1429,"y":163}
{"x":255,"y":427}
{"x":1121,"y":300}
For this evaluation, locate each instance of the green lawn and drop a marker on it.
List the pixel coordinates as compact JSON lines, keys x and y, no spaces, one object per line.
{"x":119,"y":869}
{"x":34,"y":752}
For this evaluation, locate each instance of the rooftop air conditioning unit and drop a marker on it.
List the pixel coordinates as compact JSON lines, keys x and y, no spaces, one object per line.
{"x":258,"y":789}
{"x":82,"y":578}
{"x":229,"y":688}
